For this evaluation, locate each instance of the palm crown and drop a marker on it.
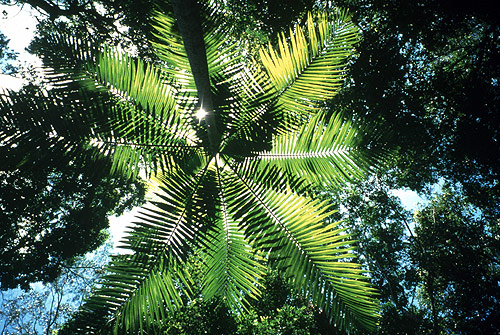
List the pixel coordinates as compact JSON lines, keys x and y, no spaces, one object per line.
{"x":236,"y":190}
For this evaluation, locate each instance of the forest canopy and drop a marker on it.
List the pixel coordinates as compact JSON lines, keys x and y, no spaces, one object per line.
{"x":423,"y":80}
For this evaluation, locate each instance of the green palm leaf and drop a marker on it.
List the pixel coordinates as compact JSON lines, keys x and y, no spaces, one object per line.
{"x":143,"y":287}
{"x":245,"y":108}
{"x":37,"y":125}
{"x":293,"y":230}
{"x":324,"y":152}
{"x":170,"y":49}
{"x":309,"y":66}
{"x":232,"y":267}
{"x":150,"y":123}
{"x":183,"y":207}
{"x":147,"y":124}
{"x":134,"y":293}
{"x":157,"y":293}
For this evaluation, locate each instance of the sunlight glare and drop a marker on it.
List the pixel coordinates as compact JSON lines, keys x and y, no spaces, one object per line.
{"x":201,"y":113}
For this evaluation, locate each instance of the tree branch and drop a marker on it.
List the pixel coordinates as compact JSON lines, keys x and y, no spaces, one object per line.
{"x":53,"y":10}
{"x":75,"y":9}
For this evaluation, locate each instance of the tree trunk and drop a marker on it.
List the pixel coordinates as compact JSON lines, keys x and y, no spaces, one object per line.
{"x":188,"y":20}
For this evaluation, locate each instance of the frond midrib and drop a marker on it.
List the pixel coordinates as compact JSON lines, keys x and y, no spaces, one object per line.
{"x":321,"y":154}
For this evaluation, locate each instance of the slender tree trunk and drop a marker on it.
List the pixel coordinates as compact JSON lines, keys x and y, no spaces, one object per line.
{"x":188,"y":20}
{"x":430,"y":291}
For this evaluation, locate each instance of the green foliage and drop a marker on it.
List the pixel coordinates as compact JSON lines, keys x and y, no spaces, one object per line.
{"x":269,"y":15}
{"x":199,"y":317}
{"x":436,"y":65}
{"x":222,"y":195}
{"x":6,"y":56}
{"x":426,"y":69}
{"x":457,"y":253}
{"x":55,"y":206}
{"x":280,"y":310}
{"x":52,"y":212}
{"x":380,"y":223}
{"x":287,"y":320}
{"x":438,"y":271}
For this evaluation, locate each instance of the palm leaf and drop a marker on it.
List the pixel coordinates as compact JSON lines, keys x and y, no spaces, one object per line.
{"x":141,"y":288}
{"x":309,"y":66}
{"x":148,"y":122}
{"x":161,"y":291}
{"x":170,"y":49}
{"x":152,"y":124}
{"x":137,"y":291}
{"x":232,"y":269}
{"x":183,"y":207}
{"x":325,"y":152}
{"x":39,"y":125}
{"x":292,"y":229}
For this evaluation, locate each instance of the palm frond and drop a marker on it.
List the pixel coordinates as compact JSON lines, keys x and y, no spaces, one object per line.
{"x":66,"y":56}
{"x":252,"y":125}
{"x":161,"y":292}
{"x":143,"y":287}
{"x":237,"y":194}
{"x":232,"y":267}
{"x":294,"y":230}
{"x":129,"y":79}
{"x":136,"y":292}
{"x":183,"y":207}
{"x":38,"y":125}
{"x":170,"y":49}
{"x":309,"y":66}
{"x":325,"y":152}
{"x":150,"y":123}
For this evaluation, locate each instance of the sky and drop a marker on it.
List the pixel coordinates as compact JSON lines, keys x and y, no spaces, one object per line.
{"x":18,"y":24}
{"x":410,"y":199}
{"x":118,"y":227}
